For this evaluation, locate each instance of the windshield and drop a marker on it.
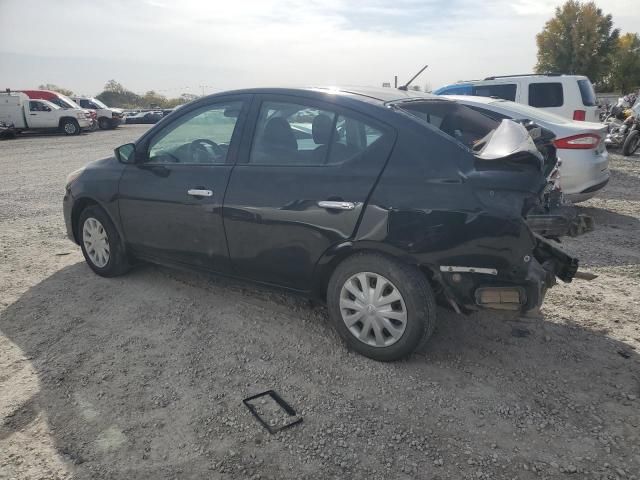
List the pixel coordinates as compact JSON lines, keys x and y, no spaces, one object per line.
{"x":65,"y":102}
{"x":529,"y":113}
{"x":98,"y":103}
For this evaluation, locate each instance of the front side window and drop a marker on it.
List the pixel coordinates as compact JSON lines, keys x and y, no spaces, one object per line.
{"x":297,"y":134}
{"x":507,"y":91}
{"x":199,"y":137}
{"x":544,"y":95}
{"x":35,"y":106}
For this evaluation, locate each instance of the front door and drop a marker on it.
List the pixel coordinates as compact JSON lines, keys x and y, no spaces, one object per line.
{"x":41,"y":115}
{"x":171,"y":202}
{"x":300,"y":187}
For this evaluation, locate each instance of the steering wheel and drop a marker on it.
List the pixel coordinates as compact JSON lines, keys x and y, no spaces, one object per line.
{"x":197,"y":147}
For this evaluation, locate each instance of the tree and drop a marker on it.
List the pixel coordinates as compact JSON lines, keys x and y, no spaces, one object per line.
{"x":625,"y":61}
{"x":116,"y":95}
{"x":578,"y":40}
{"x":56,"y":88}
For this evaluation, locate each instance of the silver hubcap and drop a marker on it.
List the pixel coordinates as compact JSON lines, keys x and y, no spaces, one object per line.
{"x":373,"y":309}
{"x":96,"y":243}
{"x":69,"y":127}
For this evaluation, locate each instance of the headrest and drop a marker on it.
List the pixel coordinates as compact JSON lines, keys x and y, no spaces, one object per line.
{"x":321,"y":129}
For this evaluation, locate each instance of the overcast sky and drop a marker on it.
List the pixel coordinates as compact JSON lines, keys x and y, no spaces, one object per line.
{"x":177,"y":46}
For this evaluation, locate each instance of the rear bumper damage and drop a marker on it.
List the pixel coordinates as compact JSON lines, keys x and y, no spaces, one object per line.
{"x":469,"y":288}
{"x":559,"y":222}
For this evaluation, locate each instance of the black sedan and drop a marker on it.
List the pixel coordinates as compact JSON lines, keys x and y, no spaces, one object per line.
{"x":380,"y":202}
{"x":144,"y":117}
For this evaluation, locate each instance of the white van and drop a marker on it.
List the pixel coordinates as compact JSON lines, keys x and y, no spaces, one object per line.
{"x":570,"y":96}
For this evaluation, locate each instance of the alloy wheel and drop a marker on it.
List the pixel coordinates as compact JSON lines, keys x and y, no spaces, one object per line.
{"x":373,"y":309}
{"x":96,"y":242}
{"x":70,"y":128}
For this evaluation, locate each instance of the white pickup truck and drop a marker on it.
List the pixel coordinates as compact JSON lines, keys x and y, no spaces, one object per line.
{"x":108,"y":117}
{"x":16,"y":108}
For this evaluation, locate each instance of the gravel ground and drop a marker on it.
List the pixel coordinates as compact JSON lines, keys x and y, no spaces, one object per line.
{"x":143,"y":376}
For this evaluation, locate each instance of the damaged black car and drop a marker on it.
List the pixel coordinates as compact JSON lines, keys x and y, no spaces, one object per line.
{"x":378,"y":202}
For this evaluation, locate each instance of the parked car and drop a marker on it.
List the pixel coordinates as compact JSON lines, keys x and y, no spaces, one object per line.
{"x":144,"y":117}
{"x":379,"y":215}
{"x":25,"y":114}
{"x":7,"y":131}
{"x":570,"y":96}
{"x":584,"y":169}
{"x":62,"y":101}
{"x":108,"y":118}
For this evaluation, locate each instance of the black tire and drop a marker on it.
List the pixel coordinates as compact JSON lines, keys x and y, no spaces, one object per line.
{"x":104,"y":123}
{"x":631,"y":143}
{"x":117,"y":263}
{"x":412,"y":286}
{"x":70,"y":127}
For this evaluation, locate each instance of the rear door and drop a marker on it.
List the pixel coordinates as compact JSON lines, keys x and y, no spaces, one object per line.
{"x":300,"y":186}
{"x":171,"y":203}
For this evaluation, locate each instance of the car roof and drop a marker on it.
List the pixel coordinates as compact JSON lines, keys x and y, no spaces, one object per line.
{"x":369,"y":94}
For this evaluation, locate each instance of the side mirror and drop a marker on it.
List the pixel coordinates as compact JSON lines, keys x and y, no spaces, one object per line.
{"x":126,"y":153}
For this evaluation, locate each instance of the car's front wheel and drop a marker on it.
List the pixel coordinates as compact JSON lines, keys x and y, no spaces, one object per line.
{"x":100,"y":243}
{"x":382,"y":308}
{"x":70,"y":127}
{"x":104,"y":123}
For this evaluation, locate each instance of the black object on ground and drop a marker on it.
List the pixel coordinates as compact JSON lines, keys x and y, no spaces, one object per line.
{"x":285,"y":406}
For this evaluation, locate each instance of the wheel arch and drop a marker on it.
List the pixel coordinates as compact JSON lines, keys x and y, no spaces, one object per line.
{"x":337,"y":254}
{"x":79,"y":205}
{"x":64,"y":119}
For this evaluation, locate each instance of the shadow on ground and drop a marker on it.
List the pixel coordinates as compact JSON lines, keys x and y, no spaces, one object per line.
{"x":143,"y":377}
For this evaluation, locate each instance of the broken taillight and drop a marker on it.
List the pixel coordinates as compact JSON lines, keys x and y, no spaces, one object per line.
{"x":584,"y":141}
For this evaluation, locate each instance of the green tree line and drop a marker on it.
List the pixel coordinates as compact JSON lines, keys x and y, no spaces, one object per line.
{"x":116,"y":95}
{"x":580,"y":40}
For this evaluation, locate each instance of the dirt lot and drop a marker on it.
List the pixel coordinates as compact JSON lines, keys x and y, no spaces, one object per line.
{"x":143,"y":376}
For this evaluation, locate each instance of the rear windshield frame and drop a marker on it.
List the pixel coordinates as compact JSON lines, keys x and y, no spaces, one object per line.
{"x":587,"y":92}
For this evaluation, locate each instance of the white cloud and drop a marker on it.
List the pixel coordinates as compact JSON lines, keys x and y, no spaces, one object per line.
{"x":166,"y":44}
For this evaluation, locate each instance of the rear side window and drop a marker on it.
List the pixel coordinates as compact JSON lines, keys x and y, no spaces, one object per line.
{"x":587,"y":93}
{"x":456,"y":120}
{"x":489,"y":113}
{"x":506,"y":91}
{"x":543,"y":95}
{"x":298,"y":134}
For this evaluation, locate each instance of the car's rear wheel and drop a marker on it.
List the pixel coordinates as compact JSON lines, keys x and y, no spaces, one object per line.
{"x":631,"y":144}
{"x":100,"y":243}
{"x":70,"y":127}
{"x":382,"y":308}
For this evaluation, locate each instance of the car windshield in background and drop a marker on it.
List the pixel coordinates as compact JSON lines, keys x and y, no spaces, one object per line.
{"x":529,"y":113}
{"x":587,"y":93}
{"x":98,"y":103}
{"x":458,"y":121}
{"x":66,"y":102}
